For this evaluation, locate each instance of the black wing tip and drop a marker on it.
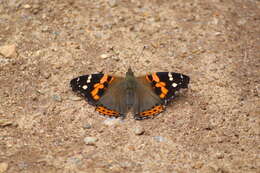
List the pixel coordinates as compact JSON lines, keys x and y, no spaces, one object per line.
{"x":185,"y":81}
{"x":73,"y":84}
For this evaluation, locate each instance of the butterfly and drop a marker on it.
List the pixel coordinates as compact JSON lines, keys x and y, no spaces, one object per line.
{"x":114,"y":96}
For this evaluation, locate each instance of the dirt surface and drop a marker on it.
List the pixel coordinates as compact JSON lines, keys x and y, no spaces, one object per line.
{"x":213,"y":127}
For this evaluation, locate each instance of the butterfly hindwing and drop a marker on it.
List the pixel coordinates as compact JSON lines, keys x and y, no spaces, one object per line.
{"x":115,"y":98}
{"x":147,"y":103}
{"x":108,"y":112}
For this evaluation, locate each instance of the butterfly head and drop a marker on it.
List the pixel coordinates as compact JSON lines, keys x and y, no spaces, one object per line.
{"x":129,"y":73}
{"x":130,"y":79}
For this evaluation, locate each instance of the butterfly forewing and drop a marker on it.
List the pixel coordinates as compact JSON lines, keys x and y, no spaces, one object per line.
{"x":146,"y":102}
{"x":91,"y":86}
{"x":166,"y":84}
{"x":115,"y":97}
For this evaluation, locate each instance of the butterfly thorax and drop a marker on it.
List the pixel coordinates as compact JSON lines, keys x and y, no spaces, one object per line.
{"x":130,"y":83}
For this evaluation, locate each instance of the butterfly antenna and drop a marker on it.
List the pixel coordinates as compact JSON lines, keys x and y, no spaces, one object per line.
{"x":142,"y":52}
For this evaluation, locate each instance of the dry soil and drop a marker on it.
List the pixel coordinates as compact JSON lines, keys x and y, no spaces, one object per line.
{"x":214,"y":127}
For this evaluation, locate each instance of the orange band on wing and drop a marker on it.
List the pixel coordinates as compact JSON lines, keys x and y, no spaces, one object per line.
{"x":104,"y":79}
{"x":155,"y":110}
{"x":162,"y":96}
{"x":164,"y":90}
{"x":94,"y":92}
{"x":96,"y":97}
{"x":99,"y":86}
{"x":106,"y":111}
{"x":160,"y":84}
{"x":155,"y":77}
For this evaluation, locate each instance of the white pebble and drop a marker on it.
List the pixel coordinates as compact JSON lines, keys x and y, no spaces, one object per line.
{"x":104,"y":56}
{"x":90,"y":140}
{"x":112,"y":121}
{"x":8,"y":51}
{"x":3,"y":167}
{"x":138,"y":130}
{"x":26,"y":6}
{"x":112,"y":3}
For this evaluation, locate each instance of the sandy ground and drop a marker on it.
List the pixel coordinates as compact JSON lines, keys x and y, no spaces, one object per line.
{"x":213,"y":127}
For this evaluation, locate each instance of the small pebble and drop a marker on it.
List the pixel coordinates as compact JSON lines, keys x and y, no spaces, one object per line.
{"x":98,"y":34}
{"x":112,"y":3}
{"x":44,"y":28}
{"x":197,"y":165}
{"x":4,"y":123}
{"x":22,"y":165}
{"x":57,"y":98}
{"x":220,"y":155}
{"x":44,"y":16}
{"x":74,"y":160}
{"x":3,"y":167}
{"x":26,"y":6}
{"x":87,"y":126}
{"x":104,"y":56}
{"x":8,"y":51}
{"x":75,"y":98}
{"x":116,"y":168}
{"x":90,"y":140}
{"x":241,"y":21}
{"x":40,"y":91}
{"x":159,"y":138}
{"x":112,"y":121}
{"x":46,"y":74}
{"x":36,"y":8}
{"x":138,"y":130}
{"x":208,"y":127}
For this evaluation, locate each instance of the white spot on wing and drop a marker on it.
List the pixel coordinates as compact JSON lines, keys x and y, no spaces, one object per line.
{"x":174,"y":85}
{"x":84,"y":87}
{"x":78,"y":79}
{"x":170,"y":76}
{"x":89,"y":79}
